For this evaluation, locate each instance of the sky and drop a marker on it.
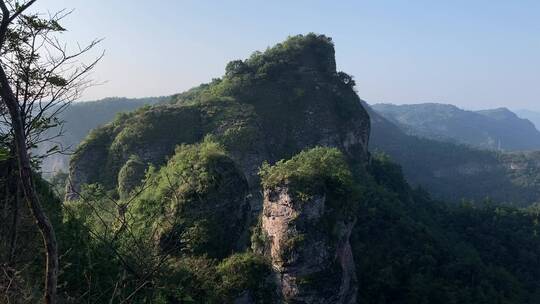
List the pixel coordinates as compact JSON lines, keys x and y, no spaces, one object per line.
{"x":475,"y":54}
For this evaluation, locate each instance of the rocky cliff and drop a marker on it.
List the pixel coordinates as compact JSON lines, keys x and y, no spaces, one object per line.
{"x":305,"y":227}
{"x":311,"y":268}
{"x":266,"y":108}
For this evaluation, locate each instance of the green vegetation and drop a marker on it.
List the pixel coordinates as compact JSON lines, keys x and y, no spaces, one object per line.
{"x":182,"y":227}
{"x":246,"y":271}
{"x":78,"y":120}
{"x":21,"y":245}
{"x":151,"y":135}
{"x":130,"y":176}
{"x":309,"y":172}
{"x":453,"y":172}
{"x":243,"y":111}
{"x":319,"y":171}
{"x":407,"y":247}
{"x":411,"y":249}
{"x":197,"y":201}
{"x":164,"y":209}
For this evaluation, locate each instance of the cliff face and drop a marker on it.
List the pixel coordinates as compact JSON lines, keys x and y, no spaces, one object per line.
{"x":311,"y":266}
{"x":305,"y":226}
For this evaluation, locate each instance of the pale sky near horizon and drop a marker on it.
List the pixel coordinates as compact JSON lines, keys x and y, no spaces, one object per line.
{"x":472,"y":53}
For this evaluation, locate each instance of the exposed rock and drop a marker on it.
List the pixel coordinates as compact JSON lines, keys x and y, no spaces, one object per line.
{"x":312,"y":265}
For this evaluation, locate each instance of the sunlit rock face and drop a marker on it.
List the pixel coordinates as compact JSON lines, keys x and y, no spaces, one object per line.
{"x":312,"y":265}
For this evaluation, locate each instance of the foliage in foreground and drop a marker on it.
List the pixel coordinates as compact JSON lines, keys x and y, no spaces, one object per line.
{"x":407,"y":247}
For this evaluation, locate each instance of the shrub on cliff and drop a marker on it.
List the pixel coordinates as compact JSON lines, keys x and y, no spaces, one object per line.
{"x":320,"y":170}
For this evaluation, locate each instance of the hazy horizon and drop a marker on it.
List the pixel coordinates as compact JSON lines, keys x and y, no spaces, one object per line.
{"x":473,"y":55}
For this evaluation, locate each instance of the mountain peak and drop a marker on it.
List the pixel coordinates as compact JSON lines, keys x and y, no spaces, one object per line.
{"x":310,"y":52}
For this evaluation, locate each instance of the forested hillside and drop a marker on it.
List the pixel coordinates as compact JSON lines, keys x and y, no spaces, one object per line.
{"x":496,"y":129}
{"x":264,"y":177}
{"x":456,"y":172}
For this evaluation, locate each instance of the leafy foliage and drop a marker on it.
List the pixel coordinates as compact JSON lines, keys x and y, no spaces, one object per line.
{"x":411,"y":249}
{"x":130,"y":176}
{"x":77,"y":121}
{"x":243,"y":111}
{"x":310,"y":172}
{"x":198,"y":201}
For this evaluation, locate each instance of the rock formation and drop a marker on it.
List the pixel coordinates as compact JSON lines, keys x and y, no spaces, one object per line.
{"x":305,"y":226}
{"x":266,"y":108}
{"x":312,"y":266}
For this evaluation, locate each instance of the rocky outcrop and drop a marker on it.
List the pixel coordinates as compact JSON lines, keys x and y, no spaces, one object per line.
{"x":266,"y":108}
{"x":309,"y":248}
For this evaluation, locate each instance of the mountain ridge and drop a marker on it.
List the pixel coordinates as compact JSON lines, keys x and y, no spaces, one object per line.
{"x":494,"y":129}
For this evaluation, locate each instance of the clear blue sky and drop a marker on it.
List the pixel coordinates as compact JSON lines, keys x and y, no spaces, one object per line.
{"x":475,"y":53}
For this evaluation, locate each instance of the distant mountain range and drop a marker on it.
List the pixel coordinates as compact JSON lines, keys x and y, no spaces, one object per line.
{"x":452,"y":171}
{"x":496,"y":129}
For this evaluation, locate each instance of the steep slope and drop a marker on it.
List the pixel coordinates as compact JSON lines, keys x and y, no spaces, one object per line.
{"x":78,"y":119}
{"x":268,"y":107}
{"x":454,"y":172}
{"x":497,"y":129}
{"x":306,"y":223}
{"x":533,"y":116}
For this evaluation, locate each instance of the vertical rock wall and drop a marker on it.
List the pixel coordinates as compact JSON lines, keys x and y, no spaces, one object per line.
{"x":309,"y":249}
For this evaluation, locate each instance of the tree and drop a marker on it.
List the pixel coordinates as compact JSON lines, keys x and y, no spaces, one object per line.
{"x":39,"y":77}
